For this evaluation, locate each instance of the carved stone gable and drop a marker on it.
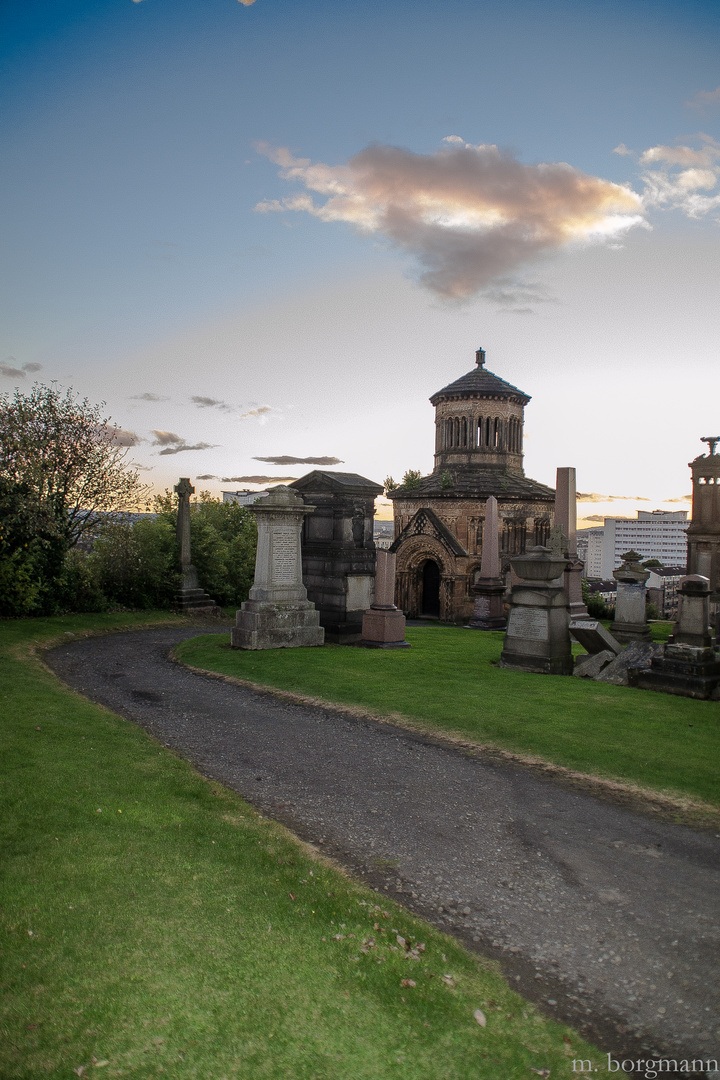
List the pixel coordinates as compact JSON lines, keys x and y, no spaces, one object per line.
{"x":425,"y":522}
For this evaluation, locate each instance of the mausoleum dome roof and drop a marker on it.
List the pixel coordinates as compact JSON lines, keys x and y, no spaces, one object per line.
{"x":479,"y":383}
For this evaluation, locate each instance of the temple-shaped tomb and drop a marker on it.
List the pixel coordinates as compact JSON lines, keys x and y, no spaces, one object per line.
{"x":439,"y":524}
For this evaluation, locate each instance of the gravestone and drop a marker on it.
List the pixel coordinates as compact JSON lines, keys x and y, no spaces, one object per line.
{"x":566,"y":519}
{"x":278,"y":614}
{"x":630,"y":622}
{"x":191,"y":598}
{"x":338,"y":550}
{"x":538,"y":636}
{"x":383,"y":626}
{"x":593,"y":636}
{"x":489,"y":587}
{"x":688,"y":665}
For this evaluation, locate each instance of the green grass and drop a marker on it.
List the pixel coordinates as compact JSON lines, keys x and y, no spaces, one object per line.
{"x":449,"y":680}
{"x":153,"y":925}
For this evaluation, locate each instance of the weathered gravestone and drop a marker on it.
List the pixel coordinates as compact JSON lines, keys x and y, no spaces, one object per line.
{"x":688,"y":665}
{"x":538,"y":637}
{"x":630,"y":622}
{"x":191,"y":597}
{"x":383,"y":626}
{"x":278,"y":614}
{"x":338,"y":550}
{"x":601,"y":647}
{"x":489,"y":587}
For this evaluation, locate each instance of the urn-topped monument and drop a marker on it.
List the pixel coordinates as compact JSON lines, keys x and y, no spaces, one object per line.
{"x":278,"y":614}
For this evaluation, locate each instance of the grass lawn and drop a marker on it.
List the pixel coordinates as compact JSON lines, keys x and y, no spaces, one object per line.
{"x":449,"y":680}
{"x":154,"y":925}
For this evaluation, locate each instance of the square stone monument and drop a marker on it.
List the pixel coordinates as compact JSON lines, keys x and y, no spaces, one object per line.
{"x":689,"y":665}
{"x":338,"y":550}
{"x":538,"y":635}
{"x":630,"y":622}
{"x":383,"y":626}
{"x":278,"y":614}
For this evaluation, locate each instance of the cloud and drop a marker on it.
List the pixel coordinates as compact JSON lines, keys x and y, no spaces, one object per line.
{"x":255,"y":479}
{"x":125,"y":438}
{"x":593,"y":497}
{"x":593,"y":517}
{"x":287,"y":459}
{"x":18,"y":373}
{"x":259,"y":413}
{"x":514,"y":297}
{"x":166,"y":438}
{"x":247,"y":3}
{"x":683,"y":178}
{"x":621,"y":149}
{"x":682,"y":499}
{"x":175,"y":444}
{"x":148,"y":397}
{"x":704,"y":98}
{"x":470,"y":215}
{"x":210,"y":403}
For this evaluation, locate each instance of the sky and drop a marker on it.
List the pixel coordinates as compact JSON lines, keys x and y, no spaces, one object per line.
{"x":264,"y":233}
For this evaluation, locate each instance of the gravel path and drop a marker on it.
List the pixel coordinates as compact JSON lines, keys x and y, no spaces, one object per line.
{"x":608,"y":919}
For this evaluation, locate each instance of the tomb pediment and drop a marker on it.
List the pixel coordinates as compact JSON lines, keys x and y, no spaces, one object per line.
{"x":337,"y":482}
{"x":425,"y":522}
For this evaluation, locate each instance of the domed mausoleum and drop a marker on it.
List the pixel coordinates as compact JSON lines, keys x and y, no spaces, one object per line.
{"x":439,"y":523}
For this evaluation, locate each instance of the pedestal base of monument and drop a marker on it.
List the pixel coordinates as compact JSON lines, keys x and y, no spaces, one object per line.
{"x":488,"y":610}
{"x":262,"y":625}
{"x":625,"y":632}
{"x":342,"y":633}
{"x":537,"y":637}
{"x":383,"y":630}
{"x":196,"y":600}
{"x":685,"y":670}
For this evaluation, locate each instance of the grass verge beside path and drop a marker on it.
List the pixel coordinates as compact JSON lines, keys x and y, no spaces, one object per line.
{"x":450,"y":681}
{"x":153,"y":925}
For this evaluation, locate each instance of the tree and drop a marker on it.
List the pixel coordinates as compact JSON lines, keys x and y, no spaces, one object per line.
{"x":411,"y":479}
{"x":66,"y":459}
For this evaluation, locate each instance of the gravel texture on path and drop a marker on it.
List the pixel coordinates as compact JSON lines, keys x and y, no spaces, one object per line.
{"x":606,"y":918}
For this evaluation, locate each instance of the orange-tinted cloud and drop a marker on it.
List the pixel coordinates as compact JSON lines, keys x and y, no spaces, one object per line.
{"x":469,"y":214}
{"x":287,"y":459}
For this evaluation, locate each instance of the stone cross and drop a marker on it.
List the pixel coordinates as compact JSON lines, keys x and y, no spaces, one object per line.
{"x":184,"y":490}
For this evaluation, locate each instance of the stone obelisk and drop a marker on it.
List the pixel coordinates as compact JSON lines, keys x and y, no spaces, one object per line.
{"x":489,"y":587}
{"x":190,"y":596}
{"x":278,"y":614}
{"x":566,"y":519}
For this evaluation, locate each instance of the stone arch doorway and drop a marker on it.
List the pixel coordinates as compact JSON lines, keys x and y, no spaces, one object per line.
{"x":430,"y":592}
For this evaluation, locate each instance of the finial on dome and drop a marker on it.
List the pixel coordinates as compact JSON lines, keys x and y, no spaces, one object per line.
{"x":712,"y":441}
{"x":479,"y":357}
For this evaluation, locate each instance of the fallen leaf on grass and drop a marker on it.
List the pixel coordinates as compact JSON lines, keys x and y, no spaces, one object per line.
{"x":448,"y":980}
{"x":541,"y":1072}
{"x":480,"y":1017}
{"x":408,"y":982}
{"x":402,"y":942}
{"x":291,"y":895}
{"x":80,"y":1071}
{"x":100,"y":1064}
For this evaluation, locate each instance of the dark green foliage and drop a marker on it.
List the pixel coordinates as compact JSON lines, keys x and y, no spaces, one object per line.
{"x":597,"y":608}
{"x":32,"y":550}
{"x":411,"y":479}
{"x":135,"y":565}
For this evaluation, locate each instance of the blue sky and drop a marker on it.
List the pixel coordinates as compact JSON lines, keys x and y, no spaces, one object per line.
{"x":301,"y":301}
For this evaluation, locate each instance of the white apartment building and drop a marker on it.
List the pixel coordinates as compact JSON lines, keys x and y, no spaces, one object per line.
{"x":589,"y":550}
{"x":655,"y":534}
{"x":245,"y":497}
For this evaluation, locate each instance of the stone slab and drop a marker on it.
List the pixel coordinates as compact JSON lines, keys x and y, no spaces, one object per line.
{"x":638,"y":654}
{"x":593,"y":636}
{"x":590,"y":666}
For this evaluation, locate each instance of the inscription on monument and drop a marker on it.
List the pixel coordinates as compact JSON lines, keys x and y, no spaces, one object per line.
{"x":528,"y":623}
{"x":284,"y":555}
